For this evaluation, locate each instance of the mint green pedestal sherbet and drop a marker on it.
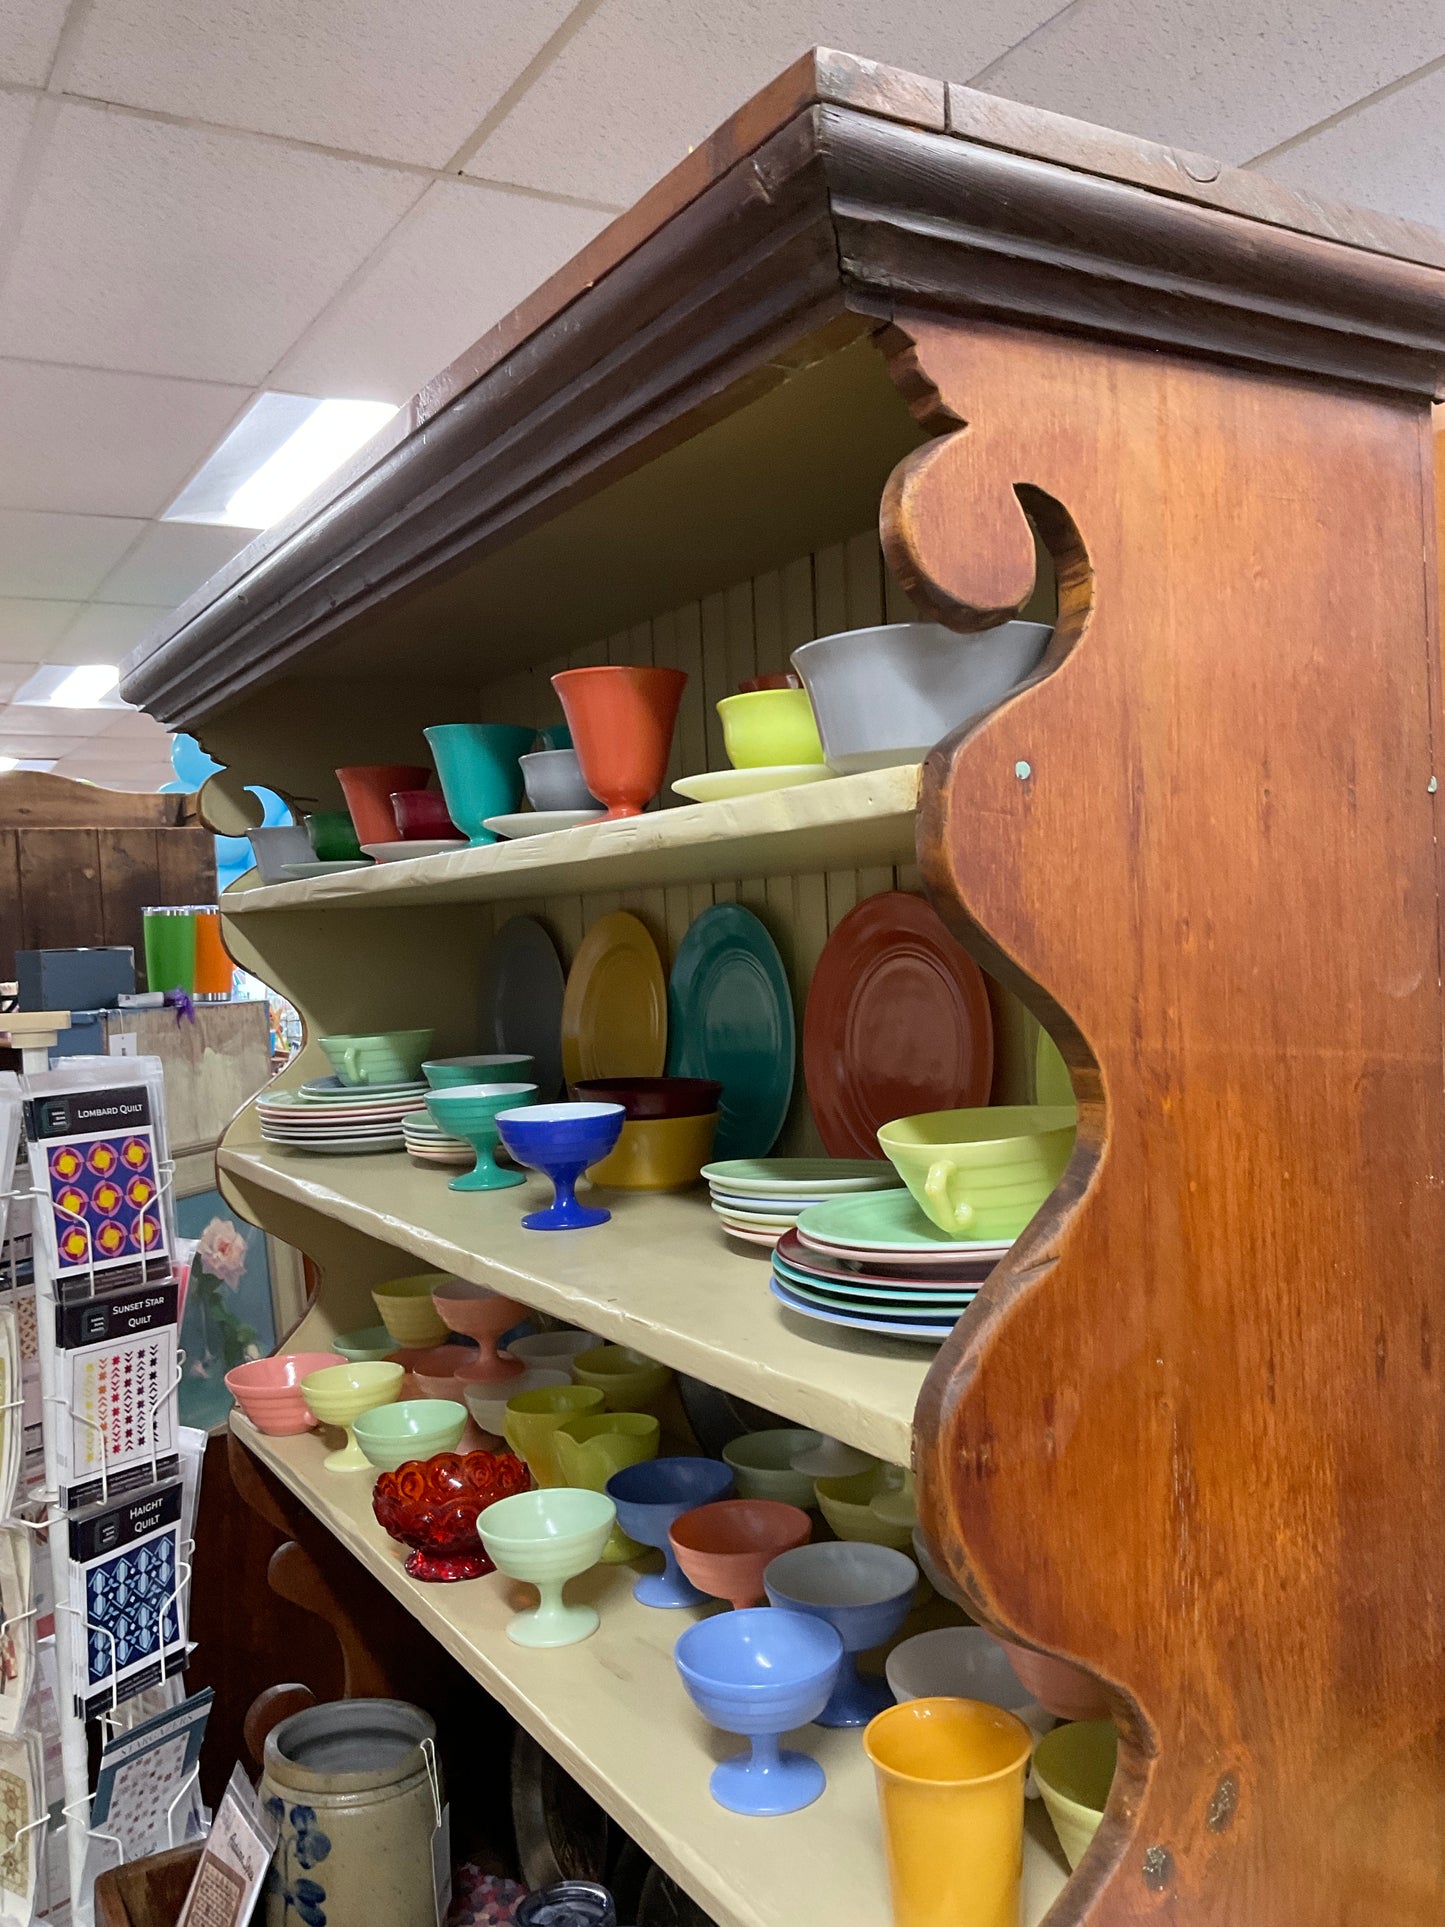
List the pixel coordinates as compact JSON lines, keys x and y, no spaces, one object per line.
{"x":481,"y":771}
{"x":470,"y":1111}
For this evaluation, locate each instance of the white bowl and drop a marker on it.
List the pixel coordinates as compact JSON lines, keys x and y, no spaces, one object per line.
{"x":554,"y":1350}
{"x":887,"y":695}
{"x":961,"y":1662}
{"x":488,"y":1403}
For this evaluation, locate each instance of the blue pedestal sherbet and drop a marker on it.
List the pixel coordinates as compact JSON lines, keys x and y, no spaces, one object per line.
{"x":761,"y":1671}
{"x":864,"y":1592}
{"x":648,"y":1498}
{"x":560,"y":1141}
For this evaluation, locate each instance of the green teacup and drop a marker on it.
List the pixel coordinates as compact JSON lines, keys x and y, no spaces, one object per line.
{"x":385,"y":1057}
{"x":470,"y":1111}
{"x":982,"y":1174}
{"x":498,"y":1067}
{"x":333,"y":837}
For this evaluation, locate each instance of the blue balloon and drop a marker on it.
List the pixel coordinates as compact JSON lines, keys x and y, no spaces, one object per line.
{"x":191,"y":763}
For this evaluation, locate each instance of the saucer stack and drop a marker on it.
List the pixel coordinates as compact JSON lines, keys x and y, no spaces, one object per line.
{"x":758,"y":1199}
{"x":875,"y":1263}
{"x":428,"y":1143}
{"x":338,"y":1119}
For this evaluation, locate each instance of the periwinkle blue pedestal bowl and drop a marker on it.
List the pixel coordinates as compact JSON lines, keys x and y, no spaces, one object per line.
{"x":864,"y":1592}
{"x":648,"y":1498}
{"x":761,"y":1671}
{"x":560,"y":1141}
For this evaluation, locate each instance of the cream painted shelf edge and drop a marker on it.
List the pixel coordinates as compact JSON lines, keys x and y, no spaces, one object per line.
{"x":661,"y":1277}
{"x":844,"y":821}
{"x":613,"y":1712}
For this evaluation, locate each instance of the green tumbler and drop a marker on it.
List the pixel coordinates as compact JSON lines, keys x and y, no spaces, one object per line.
{"x":170,"y":944}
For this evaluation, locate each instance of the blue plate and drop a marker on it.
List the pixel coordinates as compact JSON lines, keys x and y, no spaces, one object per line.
{"x":730,"y":1017}
{"x":827,"y":1292}
{"x":855,"y":1321}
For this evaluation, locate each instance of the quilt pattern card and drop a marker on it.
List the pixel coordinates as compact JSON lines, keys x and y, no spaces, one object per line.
{"x":142,"y":1774}
{"x":94,"y":1160}
{"x":127,"y":1596}
{"x":17,"y":1629}
{"x":117,"y":1366}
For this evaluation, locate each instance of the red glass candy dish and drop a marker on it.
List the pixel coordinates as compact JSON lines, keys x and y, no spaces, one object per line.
{"x":432,"y":1505}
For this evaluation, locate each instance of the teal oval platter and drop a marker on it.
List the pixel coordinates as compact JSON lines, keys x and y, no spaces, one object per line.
{"x":730,"y":1017}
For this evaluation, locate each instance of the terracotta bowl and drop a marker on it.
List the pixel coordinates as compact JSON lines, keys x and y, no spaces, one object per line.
{"x":432,"y":1369}
{"x":724,"y":1548}
{"x":1066,"y":1691}
{"x":483,"y":1316}
{"x":432,"y":1505}
{"x":268,"y":1390}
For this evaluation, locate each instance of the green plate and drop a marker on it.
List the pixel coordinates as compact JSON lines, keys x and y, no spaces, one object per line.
{"x":730,"y":1018}
{"x":888,"y":1222}
{"x":791,"y":1177}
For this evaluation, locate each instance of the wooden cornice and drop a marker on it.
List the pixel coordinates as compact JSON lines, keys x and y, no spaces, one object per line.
{"x":841,"y":195}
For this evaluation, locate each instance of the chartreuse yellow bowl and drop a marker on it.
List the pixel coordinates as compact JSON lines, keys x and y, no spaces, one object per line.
{"x":1074,"y":1766}
{"x":407,"y":1311}
{"x":339,"y":1394}
{"x":627,"y":1380}
{"x":531,"y":1418}
{"x":658,"y":1153}
{"x":981,"y":1174}
{"x":764,"y":727}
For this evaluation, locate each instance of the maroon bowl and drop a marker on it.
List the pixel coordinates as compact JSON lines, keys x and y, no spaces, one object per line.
{"x":432,"y":1506}
{"x":788,"y":679}
{"x":652,"y":1096}
{"x":422,"y":815}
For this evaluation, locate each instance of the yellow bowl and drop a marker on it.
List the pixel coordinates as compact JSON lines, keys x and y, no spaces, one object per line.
{"x":407,"y":1311}
{"x":1074,"y":1766}
{"x":628,"y":1381}
{"x":658,"y":1153}
{"x":872,"y":1505}
{"x":339,"y":1394}
{"x":981,"y":1174}
{"x":764,"y":727}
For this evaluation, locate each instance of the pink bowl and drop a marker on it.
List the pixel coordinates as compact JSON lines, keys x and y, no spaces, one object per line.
{"x":434,"y":1368}
{"x":268,"y":1390}
{"x":1066,"y":1691}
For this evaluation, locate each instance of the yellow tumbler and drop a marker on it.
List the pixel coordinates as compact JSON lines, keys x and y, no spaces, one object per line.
{"x":951,"y":1787}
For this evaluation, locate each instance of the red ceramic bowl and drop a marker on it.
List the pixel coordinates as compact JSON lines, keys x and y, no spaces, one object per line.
{"x":268,"y":1390}
{"x":652,"y":1096}
{"x":723,"y":1548}
{"x":422,"y":814}
{"x":622,"y":718}
{"x":368,"y":789}
{"x":432,"y":1505}
{"x":1066,"y":1691}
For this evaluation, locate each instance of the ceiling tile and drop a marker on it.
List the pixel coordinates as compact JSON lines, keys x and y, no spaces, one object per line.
{"x":29,"y":33}
{"x":644,"y":80}
{"x":170,"y":560}
{"x":459,"y":261}
{"x":1229,"y":79}
{"x":177,"y":250}
{"x":106,"y":632}
{"x":1390,"y":156}
{"x":60,"y":557}
{"x":100,"y":443}
{"x":12,"y":675}
{"x":27,"y":722}
{"x":30,"y":629}
{"x":408,"y":83}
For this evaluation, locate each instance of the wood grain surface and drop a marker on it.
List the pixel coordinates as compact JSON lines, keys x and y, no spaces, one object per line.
{"x":1191,"y":1434}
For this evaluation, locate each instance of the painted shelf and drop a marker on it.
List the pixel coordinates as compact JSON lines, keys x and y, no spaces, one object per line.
{"x":845,"y":821}
{"x":613,"y":1712}
{"x":661,"y":1276}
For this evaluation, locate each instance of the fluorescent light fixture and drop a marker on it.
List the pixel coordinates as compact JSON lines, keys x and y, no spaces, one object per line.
{"x":7,"y":763}
{"x":89,"y":685}
{"x":283,"y":447}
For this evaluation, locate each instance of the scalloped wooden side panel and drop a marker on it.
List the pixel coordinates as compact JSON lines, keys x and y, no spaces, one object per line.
{"x":1191,"y":1436}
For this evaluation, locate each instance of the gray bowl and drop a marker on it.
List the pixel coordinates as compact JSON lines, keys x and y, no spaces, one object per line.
{"x":554,"y":781}
{"x":886,"y":696}
{"x":286,"y":843}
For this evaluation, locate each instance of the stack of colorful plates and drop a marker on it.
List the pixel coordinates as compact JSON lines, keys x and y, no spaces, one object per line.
{"x":339,"y":1119}
{"x":428,"y":1143}
{"x":758,"y":1199}
{"x":875,"y":1263}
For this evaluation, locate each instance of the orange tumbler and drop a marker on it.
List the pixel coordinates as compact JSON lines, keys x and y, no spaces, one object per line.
{"x":214,"y":968}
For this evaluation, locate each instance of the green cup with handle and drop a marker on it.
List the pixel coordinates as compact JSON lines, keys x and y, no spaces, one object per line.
{"x":981,"y":1174}
{"x":380,"y":1057}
